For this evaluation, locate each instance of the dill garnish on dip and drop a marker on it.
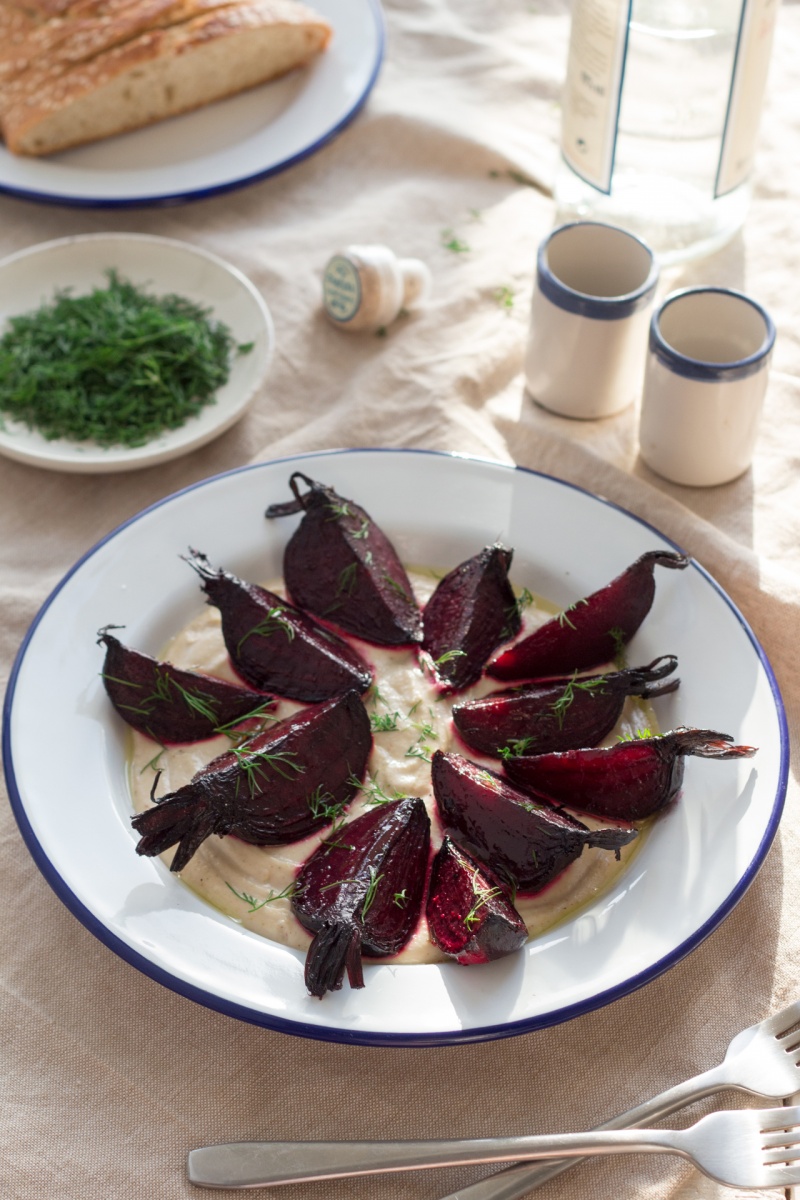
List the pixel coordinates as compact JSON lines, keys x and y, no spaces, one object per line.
{"x":116,"y":366}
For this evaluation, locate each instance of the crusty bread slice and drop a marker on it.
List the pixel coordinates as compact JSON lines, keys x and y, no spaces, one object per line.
{"x":160,"y":73}
{"x":89,"y":28}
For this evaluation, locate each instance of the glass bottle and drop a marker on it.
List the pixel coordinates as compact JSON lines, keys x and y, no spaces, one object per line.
{"x":660,"y":117}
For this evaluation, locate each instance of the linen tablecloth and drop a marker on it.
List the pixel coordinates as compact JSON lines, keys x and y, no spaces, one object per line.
{"x":108,"y":1078}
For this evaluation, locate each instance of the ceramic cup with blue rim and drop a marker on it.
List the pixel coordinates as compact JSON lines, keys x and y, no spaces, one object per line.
{"x":589,"y":315}
{"x":705,"y":380}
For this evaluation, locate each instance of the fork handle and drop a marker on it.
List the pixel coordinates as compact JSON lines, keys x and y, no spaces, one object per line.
{"x":515,"y":1182}
{"x":266,"y":1164}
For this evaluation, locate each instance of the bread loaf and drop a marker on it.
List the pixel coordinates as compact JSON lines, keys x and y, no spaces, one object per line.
{"x":75,"y":73}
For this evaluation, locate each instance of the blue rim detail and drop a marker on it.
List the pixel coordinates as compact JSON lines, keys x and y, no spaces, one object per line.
{"x":339,"y":1035}
{"x":710,"y":372}
{"x":599,"y":308}
{"x":189,"y":197}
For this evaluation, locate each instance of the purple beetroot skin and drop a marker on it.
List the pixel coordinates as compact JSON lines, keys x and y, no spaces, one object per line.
{"x":275,"y":646}
{"x":169,"y":704}
{"x":522,"y":840}
{"x":591,"y":631}
{"x":278,"y":788}
{"x":626,"y":782}
{"x":470,"y":917}
{"x":471,"y":612}
{"x":362,"y":890}
{"x":557,"y":714}
{"x":340,"y":565}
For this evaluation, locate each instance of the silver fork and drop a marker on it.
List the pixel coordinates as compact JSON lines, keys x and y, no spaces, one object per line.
{"x":763,"y":1060}
{"x":750,"y":1148}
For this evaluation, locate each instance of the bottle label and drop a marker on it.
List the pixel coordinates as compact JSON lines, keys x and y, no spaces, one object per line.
{"x":595,"y":69}
{"x":341,"y":289}
{"x":751,"y":63}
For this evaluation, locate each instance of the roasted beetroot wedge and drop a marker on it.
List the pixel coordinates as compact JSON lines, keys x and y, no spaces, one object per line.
{"x":470,"y":917}
{"x":362,"y":889}
{"x":278,"y":788}
{"x":558,"y":714}
{"x":340,"y":565}
{"x":520,"y":839}
{"x":169,"y":704}
{"x":471,"y":612}
{"x":275,"y":646}
{"x":591,"y":631}
{"x":626,"y":782}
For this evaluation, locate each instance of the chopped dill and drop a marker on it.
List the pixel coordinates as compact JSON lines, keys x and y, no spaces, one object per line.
{"x":400,"y":898}
{"x":115,"y":366}
{"x":386,"y":723}
{"x":453,"y":243}
{"x":505,"y":298}
{"x":347,"y":579}
{"x":617,"y":636}
{"x":398,"y":587}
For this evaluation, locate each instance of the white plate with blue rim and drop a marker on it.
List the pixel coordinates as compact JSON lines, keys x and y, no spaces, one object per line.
{"x":160,"y":266}
{"x":692,"y":869}
{"x":226,"y":145}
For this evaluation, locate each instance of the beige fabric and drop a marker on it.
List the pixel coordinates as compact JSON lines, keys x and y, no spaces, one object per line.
{"x":108,"y":1078}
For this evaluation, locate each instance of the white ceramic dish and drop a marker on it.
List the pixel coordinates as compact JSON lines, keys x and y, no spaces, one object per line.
{"x":33,"y":276}
{"x":74,"y":808}
{"x":226,"y":145}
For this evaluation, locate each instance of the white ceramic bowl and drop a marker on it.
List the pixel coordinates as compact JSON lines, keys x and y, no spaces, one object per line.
{"x":73,"y":804}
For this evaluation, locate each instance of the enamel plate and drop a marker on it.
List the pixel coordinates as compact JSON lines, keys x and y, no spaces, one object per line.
{"x":161,"y":266}
{"x":225,"y":145}
{"x":691,"y":870}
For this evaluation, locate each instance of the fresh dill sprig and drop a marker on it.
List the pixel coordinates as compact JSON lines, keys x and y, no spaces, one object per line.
{"x":254,"y":905}
{"x":115,"y":366}
{"x":560,"y":706}
{"x":482,"y":896}
{"x":562,"y":617}
{"x":254,"y":765}
{"x":372,"y":888}
{"x":515,"y":748}
{"x":637,"y":735}
{"x":448,"y":656}
{"x":275,"y":618}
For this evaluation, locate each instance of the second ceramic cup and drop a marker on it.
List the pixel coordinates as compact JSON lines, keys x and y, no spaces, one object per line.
{"x":589,"y":316}
{"x":710,"y":349}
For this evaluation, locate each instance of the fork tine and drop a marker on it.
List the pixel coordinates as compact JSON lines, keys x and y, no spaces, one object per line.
{"x":785,"y":1157}
{"x":790,"y":1040}
{"x":782,"y":1021}
{"x":781,"y":1137}
{"x":778,"y":1118}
